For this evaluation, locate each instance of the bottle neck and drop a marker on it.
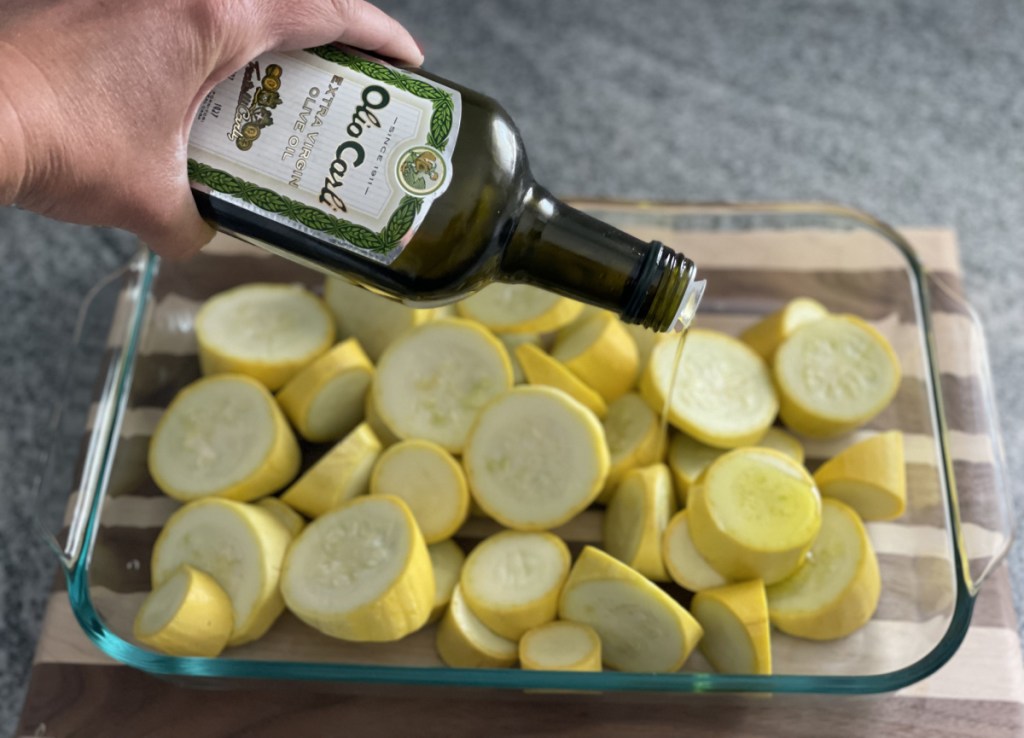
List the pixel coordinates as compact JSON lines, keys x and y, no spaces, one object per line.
{"x":566,"y":251}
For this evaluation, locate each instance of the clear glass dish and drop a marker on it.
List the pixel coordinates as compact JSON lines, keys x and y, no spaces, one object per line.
{"x":136,"y":327}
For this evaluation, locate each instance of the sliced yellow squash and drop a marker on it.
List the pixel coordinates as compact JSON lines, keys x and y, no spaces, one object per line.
{"x":361,"y":572}
{"x":326,"y":399}
{"x":375,"y":321}
{"x":464,"y":642}
{"x":447,"y":559}
{"x":766,"y":335}
{"x":543,"y":369}
{"x":869,"y":476}
{"x":511,"y":580}
{"x":223,"y":436}
{"x":587,"y":312}
{"x":266,"y":331}
{"x":380,"y":429}
{"x":688,"y":458}
{"x":836,"y":591}
{"x":432,"y":382}
{"x":519,"y":308}
{"x":535,"y":458}
{"x":560,"y":645}
{"x":240,"y":546}
{"x":512,"y":342}
{"x":284,"y":514}
{"x":634,"y":435}
{"x":641,"y":627}
{"x":645,"y":340}
{"x":723,"y":394}
{"x":188,"y":615}
{"x":635,"y":520}
{"x":430,"y":482}
{"x":736,"y":630}
{"x":783,"y":442}
{"x":834,"y":375}
{"x":601,"y":352}
{"x":339,"y":475}
{"x":754,"y":514}
{"x":683,"y":561}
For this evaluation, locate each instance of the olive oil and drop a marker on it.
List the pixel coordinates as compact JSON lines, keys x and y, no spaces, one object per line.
{"x":411,"y":186}
{"x":666,"y":407}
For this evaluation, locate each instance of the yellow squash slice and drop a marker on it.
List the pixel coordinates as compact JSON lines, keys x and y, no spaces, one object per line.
{"x":683,"y":561}
{"x":601,"y":352}
{"x":560,"y":645}
{"x":543,"y":369}
{"x":645,"y":340}
{"x":361,"y":572}
{"x":767,"y":335}
{"x":432,"y":382}
{"x":869,"y":476}
{"x":688,"y":458}
{"x":380,"y":429}
{"x":447,"y":559}
{"x":635,"y":520}
{"x":188,"y":615}
{"x":834,"y":375}
{"x":513,"y":341}
{"x":519,"y":308}
{"x":723,"y":394}
{"x":755,"y":514}
{"x":266,"y":331}
{"x":783,"y":442}
{"x":430,"y":482}
{"x":463,"y":642}
{"x":642,"y":628}
{"x":326,"y":399}
{"x":736,"y":630}
{"x":240,"y":546}
{"x":634,"y":435}
{"x":339,"y":475}
{"x":223,"y":436}
{"x":284,"y":514}
{"x":511,"y":580}
{"x":836,"y":591}
{"x":373,"y":320}
{"x":535,"y":458}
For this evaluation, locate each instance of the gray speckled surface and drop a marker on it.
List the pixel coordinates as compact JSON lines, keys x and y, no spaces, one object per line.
{"x":909,"y":110}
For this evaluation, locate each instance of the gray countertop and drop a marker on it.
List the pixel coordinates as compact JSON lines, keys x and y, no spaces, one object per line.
{"x":910,"y":110}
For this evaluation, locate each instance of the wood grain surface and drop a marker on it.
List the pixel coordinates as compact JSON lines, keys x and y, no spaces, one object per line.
{"x":78,"y":691}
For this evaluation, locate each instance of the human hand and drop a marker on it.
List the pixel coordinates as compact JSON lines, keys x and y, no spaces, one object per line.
{"x":97,"y":98}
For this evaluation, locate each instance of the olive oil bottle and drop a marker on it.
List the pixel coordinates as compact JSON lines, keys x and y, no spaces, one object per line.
{"x":411,"y":186}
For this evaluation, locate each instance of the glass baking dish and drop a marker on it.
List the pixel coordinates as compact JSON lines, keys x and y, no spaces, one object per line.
{"x":136,"y":327}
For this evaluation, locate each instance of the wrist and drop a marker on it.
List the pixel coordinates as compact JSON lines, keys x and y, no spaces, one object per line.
{"x":13,"y":149}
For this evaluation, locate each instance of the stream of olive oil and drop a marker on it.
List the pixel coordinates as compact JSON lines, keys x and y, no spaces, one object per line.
{"x":666,"y":408}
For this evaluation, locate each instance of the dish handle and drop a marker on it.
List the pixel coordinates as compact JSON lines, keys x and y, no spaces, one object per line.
{"x":95,"y":375}
{"x":984,"y":516}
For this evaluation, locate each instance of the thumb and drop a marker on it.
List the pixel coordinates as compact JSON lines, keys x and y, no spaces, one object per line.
{"x":353,"y":22}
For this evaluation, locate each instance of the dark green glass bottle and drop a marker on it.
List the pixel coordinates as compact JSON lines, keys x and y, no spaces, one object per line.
{"x":460,"y":207}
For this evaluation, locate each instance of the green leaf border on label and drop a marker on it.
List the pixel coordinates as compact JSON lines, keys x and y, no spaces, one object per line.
{"x":444,"y":106}
{"x":316,"y":219}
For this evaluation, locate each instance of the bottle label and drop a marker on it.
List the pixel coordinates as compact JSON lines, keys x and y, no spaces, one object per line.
{"x":332,"y":143}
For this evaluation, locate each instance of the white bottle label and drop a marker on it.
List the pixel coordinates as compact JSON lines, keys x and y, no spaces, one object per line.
{"x":337,"y":145}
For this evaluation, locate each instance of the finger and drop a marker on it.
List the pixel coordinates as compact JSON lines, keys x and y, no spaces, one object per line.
{"x":353,"y":22}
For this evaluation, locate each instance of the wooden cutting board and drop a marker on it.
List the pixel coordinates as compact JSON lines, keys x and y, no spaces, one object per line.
{"x":77,"y":691}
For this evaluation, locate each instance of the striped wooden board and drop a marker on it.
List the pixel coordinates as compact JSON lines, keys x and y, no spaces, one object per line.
{"x":76,"y":690}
